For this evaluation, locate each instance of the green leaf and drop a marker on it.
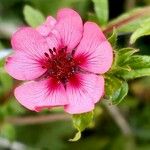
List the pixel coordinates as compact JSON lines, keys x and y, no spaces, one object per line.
{"x":135,"y":73}
{"x":101,"y":9}
{"x":120,"y":59}
{"x":124,"y":54}
{"x":129,"y":21}
{"x":92,"y":17}
{"x":115,"y":89}
{"x":139,"y":62}
{"x":80,"y":122}
{"x":76,"y":137}
{"x":143,"y":30}
{"x":113,"y":38}
{"x":32,"y":16}
{"x":50,"y":7}
{"x":139,"y":65}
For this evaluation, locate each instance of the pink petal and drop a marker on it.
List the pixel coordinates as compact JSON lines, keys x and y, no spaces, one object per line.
{"x":36,"y":95}
{"x":22,"y":67}
{"x":30,"y":46}
{"x":83,"y":91}
{"x":29,"y":41}
{"x":53,"y":40}
{"x":47,"y":26}
{"x":94,"y":51}
{"x":70,"y":27}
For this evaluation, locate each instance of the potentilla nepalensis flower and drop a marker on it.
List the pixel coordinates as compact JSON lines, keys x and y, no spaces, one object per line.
{"x":62,"y":62}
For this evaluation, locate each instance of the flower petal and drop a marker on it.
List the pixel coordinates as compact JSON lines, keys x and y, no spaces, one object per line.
{"x":22,"y":67}
{"x":47,"y":26}
{"x":70,"y":27}
{"x":29,"y":41}
{"x":83,"y":91}
{"x":94,"y":51}
{"x":53,"y":40}
{"x":36,"y":95}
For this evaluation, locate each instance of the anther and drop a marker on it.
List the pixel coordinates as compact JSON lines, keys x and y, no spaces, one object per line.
{"x":46,"y":55}
{"x":73,"y":52}
{"x":51,"y":51}
{"x":54,"y":49}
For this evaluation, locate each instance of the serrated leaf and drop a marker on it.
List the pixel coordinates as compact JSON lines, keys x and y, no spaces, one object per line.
{"x":113,"y":38}
{"x":115,"y":89}
{"x":33,"y":16}
{"x":135,"y":73}
{"x":143,"y":30}
{"x":80,"y":122}
{"x":139,"y":62}
{"x":101,"y":9}
{"x":124,"y":55}
{"x":129,"y":21}
{"x":121,"y":57}
{"x":140,"y":66}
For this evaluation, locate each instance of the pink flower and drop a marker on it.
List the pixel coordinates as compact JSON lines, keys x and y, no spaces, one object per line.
{"x":62,"y":61}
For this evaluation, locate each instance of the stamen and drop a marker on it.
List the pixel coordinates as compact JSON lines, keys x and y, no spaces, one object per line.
{"x":46,"y":55}
{"x":69,"y":57}
{"x":51,"y":51}
{"x":54,"y":49}
{"x":73,"y":52}
{"x":74,"y":69}
{"x":60,"y":65}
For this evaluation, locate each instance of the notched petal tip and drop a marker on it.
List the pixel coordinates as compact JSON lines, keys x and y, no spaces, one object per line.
{"x":65,"y":12}
{"x":70,"y":27}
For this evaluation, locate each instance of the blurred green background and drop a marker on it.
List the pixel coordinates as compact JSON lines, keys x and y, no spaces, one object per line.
{"x":125,"y":127}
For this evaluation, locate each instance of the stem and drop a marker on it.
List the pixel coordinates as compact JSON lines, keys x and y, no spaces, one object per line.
{"x":130,"y":18}
{"x":37,"y":119}
{"x":122,"y":124}
{"x":119,"y":119}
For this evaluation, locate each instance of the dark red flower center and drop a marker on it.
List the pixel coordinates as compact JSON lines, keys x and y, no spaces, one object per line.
{"x":60,"y":65}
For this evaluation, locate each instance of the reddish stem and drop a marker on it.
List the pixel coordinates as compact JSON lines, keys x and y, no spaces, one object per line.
{"x":127,"y":20}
